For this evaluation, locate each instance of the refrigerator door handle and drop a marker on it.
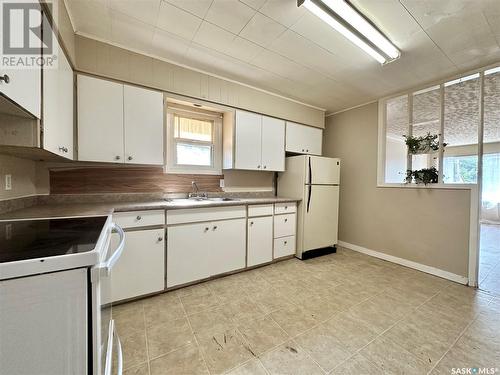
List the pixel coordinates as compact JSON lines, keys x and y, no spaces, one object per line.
{"x":309,"y":196}
{"x":310,"y":171}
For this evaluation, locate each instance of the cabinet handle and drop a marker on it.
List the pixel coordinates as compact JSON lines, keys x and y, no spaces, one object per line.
{"x":307,"y":150}
{"x":130,"y":158}
{"x":63,"y":149}
{"x":251,"y":223}
{"x":286,"y":207}
{"x":206,"y":229}
{"x":286,"y":220}
{"x":117,"y":157}
{"x":5,"y":78}
{"x":285,"y":242}
{"x":160,"y":239}
{"x":139,"y":217}
{"x":302,"y":150}
{"x":215,"y":227}
{"x":265,"y":166}
{"x":258,"y":166}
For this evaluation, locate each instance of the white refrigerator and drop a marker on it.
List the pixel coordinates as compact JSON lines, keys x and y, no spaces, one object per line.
{"x":316,"y":181}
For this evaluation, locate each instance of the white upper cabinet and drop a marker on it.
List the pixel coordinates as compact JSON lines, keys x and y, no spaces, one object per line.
{"x":119,"y":123}
{"x":100,"y":120}
{"x":254,"y":142}
{"x":143,"y":123}
{"x":58,"y":95}
{"x":303,"y":139}
{"x":273,"y":144}
{"x":23,"y":86}
{"x":247,"y":140}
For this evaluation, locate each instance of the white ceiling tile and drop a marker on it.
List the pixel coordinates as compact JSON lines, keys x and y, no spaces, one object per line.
{"x":231,"y":15}
{"x":169,"y":46}
{"x":262,"y":30}
{"x":177,"y":21}
{"x":143,"y":10}
{"x":285,"y":12}
{"x":91,"y":17}
{"x":255,"y":4}
{"x":127,"y":31}
{"x":213,"y":37}
{"x":197,"y":7}
{"x":243,"y":49}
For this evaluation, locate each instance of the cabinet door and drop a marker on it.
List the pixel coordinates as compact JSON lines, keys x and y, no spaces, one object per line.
{"x":228,"y":246}
{"x":188,"y":253}
{"x":58,"y":106}
{"x":303,"y":139}
{"x":143,"y":123}
{"x":248,"y":140}
{"x":141,"y":267}
{"x":260,"y":240}
{"x":273,"y":144}
{"x":100,"y":120}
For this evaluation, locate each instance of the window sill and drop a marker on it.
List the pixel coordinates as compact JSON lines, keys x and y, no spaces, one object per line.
{"x":430,"y":186}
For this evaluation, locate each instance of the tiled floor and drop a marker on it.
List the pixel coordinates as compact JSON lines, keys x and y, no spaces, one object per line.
{"x":489,"y":264}
{"x":345,"y":313}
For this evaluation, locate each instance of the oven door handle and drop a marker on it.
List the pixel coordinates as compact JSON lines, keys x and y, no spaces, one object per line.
{"x":120,"y":353}
{"x":109,"y":355}
{"x":108,"y":265}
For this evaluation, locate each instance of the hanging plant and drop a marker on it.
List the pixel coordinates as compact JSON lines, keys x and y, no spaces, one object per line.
{"x":422,"y":176}
{"x":423,"y":144}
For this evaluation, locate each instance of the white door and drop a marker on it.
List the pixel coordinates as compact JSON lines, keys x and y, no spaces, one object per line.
{"x":58,"y":106}
{"x":188,"y":253}
{"x":322,"y":171}
{"x":260,"y":240}
{"x":143,"y":123}
{"x":273,"y":144}
{"x":303,"y":139}
{"x":141,"y":267}
{"x":227,"y":246}
{"x":43,"y":324}
{"x":248,"y":140}
{"x":320,"y":216}
{"x":100,"y":120}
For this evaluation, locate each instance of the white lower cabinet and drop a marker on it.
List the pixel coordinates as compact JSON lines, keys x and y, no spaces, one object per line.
{"x":188,"y":253}
{"x":141,"y":268}
{"x":284,"y":246}
{"x":260,"y":240}
{"x":200,"y":250}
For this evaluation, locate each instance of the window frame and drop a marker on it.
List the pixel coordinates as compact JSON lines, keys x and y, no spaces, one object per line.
{"x":381,"y":141}
{"x":171,"y":164}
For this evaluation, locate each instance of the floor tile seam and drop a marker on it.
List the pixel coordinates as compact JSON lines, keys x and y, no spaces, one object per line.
{"x":170,"y":352}
{"x":384,"y":331}
{"x":195,"y":338}
{"x":455,"y":341}
{"x":135,"y":331}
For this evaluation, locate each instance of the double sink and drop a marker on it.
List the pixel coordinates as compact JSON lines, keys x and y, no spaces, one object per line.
{"x":199,"y":200}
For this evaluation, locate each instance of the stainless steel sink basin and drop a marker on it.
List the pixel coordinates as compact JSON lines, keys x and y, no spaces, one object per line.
{"x":188,"y":201}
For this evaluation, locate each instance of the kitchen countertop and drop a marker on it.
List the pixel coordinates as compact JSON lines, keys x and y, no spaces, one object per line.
{"x":106,"y":208}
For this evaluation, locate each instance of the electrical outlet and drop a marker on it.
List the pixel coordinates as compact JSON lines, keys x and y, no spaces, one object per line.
{"x":8,"y":182}
{"x":221,"y":182}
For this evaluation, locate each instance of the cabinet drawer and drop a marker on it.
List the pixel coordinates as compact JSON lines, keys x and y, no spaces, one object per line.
{"x":285,"y":208}
{"x":284,"y":225}
{"x":260,"y":210}
{"x":284,"y":246}
{"x":194,"y":215}
{"x":132,"y":219}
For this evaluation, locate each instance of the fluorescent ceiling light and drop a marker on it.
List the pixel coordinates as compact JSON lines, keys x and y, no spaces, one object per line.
{"x":491,"y":71}
{"x":345,"y":19}
{"x":462,"y":79}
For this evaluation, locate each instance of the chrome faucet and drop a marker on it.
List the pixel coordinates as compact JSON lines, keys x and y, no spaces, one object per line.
{"x":196,"y":192}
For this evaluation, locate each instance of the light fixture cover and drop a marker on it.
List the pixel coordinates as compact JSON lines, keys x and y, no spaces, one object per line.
{"x":347,"y":20}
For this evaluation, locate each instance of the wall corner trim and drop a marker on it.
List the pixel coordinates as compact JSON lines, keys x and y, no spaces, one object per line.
{"x":407,"y":263}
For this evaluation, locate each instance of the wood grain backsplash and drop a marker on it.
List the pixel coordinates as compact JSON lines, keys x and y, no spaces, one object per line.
{"x":127,"y":180}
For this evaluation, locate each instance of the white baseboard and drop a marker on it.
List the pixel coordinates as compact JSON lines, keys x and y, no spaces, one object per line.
{"x":407,"y":263}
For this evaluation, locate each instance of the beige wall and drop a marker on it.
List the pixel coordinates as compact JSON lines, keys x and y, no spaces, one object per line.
{"x":28,"y":177}
{"x":427,"y":226}
{"x":109,"y":61}
{"x":247,"y":181}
